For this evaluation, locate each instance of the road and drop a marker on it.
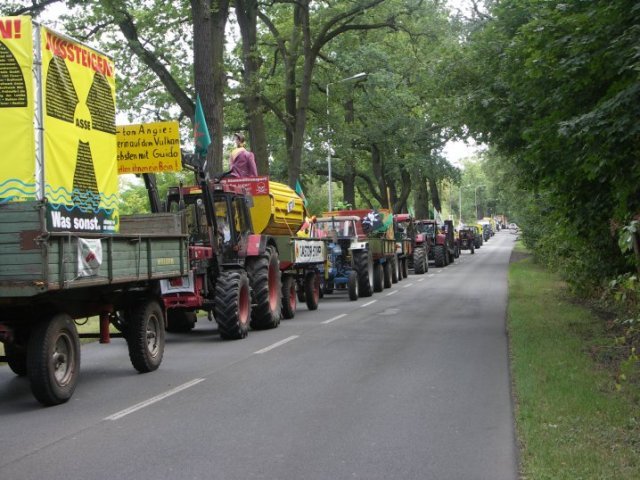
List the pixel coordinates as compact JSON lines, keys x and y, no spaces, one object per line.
{"x":412,"y":383}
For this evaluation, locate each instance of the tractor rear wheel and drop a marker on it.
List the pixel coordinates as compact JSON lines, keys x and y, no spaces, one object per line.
{"x":387,"y":274}
{"x":289,"y":300}
{"x":440,"y":256}
{"x":364,"y":266}
{"x":352,"y":285}
{"x":264,"y":277}
{"x":53,"y":359}
{"x":394,"y":269}
{"x":378,"y":273}
{"x":232,"y":309}
{"x":419,"y":263}
{"x":312,"y":290}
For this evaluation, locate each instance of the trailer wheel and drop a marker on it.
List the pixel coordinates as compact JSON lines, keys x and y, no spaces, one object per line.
{"x":289,"y":302}
{"x":264,"y":276}
{"x":145,"y":335}
{"x":439,"y":255}
{"x":53,"y":359}
{"x":419,"y":263}
{"x":16,"y":358}
{"x":405,"y":267}
{"x":180,"y":321}
{"x":394,"y":269}
{"x":312,"y":290}
{"x":364,"y":266}
{"x":352,"y":285}
{"x":232,"y":305}
{"x":387,"y":273}
{"x":378,"y":274}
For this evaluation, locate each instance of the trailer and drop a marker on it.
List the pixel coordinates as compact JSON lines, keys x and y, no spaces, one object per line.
{"x":50,"y":279}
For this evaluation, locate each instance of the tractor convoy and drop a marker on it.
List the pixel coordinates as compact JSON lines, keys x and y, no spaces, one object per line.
{"x":241,"y":252}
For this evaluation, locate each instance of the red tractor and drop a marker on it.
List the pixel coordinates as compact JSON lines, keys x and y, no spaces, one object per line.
{"x":467,"y":239}
{"x":412,"y":247}
{"x":443,"y":248}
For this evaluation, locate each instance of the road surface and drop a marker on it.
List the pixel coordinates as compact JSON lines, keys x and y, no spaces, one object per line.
{"x":412,"y":383}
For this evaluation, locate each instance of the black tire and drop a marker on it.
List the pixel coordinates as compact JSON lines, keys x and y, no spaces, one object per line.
{"x":16,"y":358}
{"x":452,"y":257}
{"x":53,"y":360}
{"x":394,"y":269}
{"x":387,"y":273}
{"x":419,"y":264}
{"x":232,"y":309}
{"x":473,"y":250}
{"x":145,"y":335}
{"x":378,"y":280}
{"x":352,"y":285}
{"x":312,"y":290}
{"x":405,"y":267}
{"x":266,"y":289}
{"x":289,"y":299}
{"x":364,"y":266}
{"x":440,"y":256}
{"x":180,"y":321}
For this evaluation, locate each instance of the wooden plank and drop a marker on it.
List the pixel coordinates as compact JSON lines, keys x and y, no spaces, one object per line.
{"x":157,"y":223}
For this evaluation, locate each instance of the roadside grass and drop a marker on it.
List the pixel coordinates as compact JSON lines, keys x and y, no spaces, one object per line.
{"x":570,"y":420}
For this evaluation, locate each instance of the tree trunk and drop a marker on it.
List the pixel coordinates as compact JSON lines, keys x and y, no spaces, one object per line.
{"x":349,"y":186}
{"x":421,"y":197}
{"x":435,"y":195}
{"x":209,"y":20}
{"x":246,"y":13}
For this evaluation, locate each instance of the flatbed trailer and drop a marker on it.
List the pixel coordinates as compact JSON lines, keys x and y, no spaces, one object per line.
{"x":49,"y":279}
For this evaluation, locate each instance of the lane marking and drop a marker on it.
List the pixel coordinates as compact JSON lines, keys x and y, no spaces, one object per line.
{"x":408,"y":285}
{"x":431,"y":275}
{"x":277,"y":344}
{"x":368,"y":303}
{"x":421,"y":280}
{"x":392,"y":293}
{"x":338,"y":317}
{"x":152,"y":400}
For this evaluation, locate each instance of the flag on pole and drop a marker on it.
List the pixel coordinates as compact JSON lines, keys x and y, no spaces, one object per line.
{"x":300,"y":193}
{"x":200,"y":132}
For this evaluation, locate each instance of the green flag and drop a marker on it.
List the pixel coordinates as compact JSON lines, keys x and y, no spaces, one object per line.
{"x":300,"y":193}
{"x":200,"y":132}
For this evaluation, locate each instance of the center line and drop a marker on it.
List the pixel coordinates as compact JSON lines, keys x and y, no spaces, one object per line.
{"x":431,"y":275}
{"x":151,"y":401}
{"x":334,"y":318}
{"x":368,"y":303}
{"x":421,"y":280}
{"x":391,"y":293}
{"x":277,"y":344}
{"x":407,"y":285}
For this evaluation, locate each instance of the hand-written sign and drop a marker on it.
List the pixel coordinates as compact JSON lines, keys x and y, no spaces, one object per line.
{"x":253,"y":185}
{"x":149,"y":148}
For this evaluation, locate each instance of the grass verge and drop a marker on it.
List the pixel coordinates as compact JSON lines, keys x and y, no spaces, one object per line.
{"x":570,"y":420}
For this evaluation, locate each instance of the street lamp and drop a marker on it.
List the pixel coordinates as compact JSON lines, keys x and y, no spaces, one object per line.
{"x":475,"y":194}
{"x":357,"y":76}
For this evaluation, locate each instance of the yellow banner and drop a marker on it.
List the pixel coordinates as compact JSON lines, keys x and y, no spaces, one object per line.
{"x":149,"y":148}
{"x":81,"y":176}
{"x":17,"y":144}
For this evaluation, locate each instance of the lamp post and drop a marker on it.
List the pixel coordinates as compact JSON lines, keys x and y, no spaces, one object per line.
{"x":476,"y":198}
{"x":354,"y":77}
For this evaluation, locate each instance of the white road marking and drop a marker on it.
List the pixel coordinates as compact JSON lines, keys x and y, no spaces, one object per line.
{"x":408,"y":285}
{"x":392,"y":293}
{"x":368,"y":303}
{"x":421,"y":280}
{"x":334,"y":318}
{"x":151,"y":401}
{"x":277,"y":344}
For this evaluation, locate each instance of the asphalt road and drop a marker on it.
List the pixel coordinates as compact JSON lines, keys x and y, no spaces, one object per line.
{"x":412,"y":383}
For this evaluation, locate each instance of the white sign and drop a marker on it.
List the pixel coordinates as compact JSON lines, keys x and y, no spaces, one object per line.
{"x":89,"y":256}
{"x":309,"y":251}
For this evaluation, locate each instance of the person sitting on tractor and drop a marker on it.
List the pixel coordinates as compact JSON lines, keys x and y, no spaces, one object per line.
{"x":242,"y":162}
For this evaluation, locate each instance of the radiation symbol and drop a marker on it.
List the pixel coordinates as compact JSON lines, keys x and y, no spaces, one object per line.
{"x":96,"y":112}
